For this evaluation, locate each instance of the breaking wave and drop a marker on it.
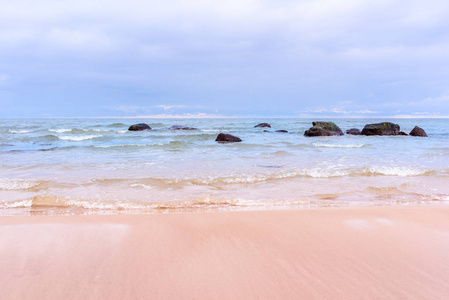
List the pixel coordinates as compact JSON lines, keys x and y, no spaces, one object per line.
{"x":79,"y":138}
{"x":19,"y":131}
{"x":17,"y":184}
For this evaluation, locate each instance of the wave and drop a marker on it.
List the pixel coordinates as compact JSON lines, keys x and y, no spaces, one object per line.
{"x":116,"y":125}
{"x":17,"y":184}
{"x":49,"y":138}
{"x":19,"y":131}
{"x":277,"y":173}
{"x":79,"y":138}
{"x":53,"y":204}
{"x":321,"y":145}
{"x":201,"y":202}
{"x":78,"y":130}
{"x":62,"y":130}
{"x":397,"y":171}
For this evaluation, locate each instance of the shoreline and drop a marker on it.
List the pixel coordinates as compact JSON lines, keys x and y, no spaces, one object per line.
{"x":333,"y":253}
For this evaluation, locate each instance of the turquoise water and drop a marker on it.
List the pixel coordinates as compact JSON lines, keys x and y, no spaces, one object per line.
{"x":98,"y":165}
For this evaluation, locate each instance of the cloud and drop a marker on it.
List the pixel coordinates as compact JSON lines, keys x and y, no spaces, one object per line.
{"x":339,"y":111}
{"x":181,"y":116}
{"x":237,"y":56}
{"x":168,"y":107}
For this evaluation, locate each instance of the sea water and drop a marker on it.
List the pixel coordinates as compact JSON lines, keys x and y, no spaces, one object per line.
{"x":96,"y":165}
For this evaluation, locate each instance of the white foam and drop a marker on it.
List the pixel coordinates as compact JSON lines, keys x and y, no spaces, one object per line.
{"x":19,"y":131}
{"x":396,"y":171}
{"x":125,"y":145}
{"x":62,"y":130}
{"x":337,"y":145}
{"x":78,"y":138}
{"x":147,"y":187}
{"x":16,"y":204}
{"x":17,"y":184}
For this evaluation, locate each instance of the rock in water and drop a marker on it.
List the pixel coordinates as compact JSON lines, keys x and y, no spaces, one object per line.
{"x":180,"y":127}
{"x":353,"y":131}
{"x":263,"y":125}
{"x":402,"y":133}
{"x":282,"y":130}
{"x":139,"y":127}
{"x":323,"y":129}
{"x":223,"y":137}
{"x":418,"y":131}
{"x":384,"y":128}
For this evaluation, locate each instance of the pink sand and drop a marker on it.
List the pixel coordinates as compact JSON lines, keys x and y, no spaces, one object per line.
{"x":355,"y":253}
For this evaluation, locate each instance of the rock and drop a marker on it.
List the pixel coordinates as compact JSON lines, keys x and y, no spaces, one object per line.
{"x":402,"y":133}
{"x":263,"y":125}
{"x":139,"y":127}
{"x":353,"y":131}
{"x":418,"y":131}
{"x":282,"y":130}
{"x":265,"y":131}
{"x":384,"y":128}
{"x":180,"y":127}
{"x":323,"y":129}
{"x":223,"y":137}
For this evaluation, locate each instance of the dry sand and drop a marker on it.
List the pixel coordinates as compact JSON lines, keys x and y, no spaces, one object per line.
{"x":347,"y":253}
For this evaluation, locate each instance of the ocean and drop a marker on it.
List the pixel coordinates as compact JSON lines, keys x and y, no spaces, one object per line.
{"x":96,"y":166}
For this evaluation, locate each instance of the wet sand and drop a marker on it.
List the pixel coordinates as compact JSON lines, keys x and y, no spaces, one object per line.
{"x":344,"y":253}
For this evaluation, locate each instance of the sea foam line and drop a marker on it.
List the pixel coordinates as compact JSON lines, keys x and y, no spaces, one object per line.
{"x":17,"y":184}
{"x":78,"y":138}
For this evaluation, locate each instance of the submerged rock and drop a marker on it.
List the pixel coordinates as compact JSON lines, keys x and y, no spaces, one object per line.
{"x":180,"y":127}
{"x":282,"y":130}
{"x":402,"y":133}
{"x":323,"y":129}
{"x":384,"y":128}
{"x":223,"y":137}
{"x":353,"y":131}
{"x":139,"y":127}
{"x":263,"y":125}
{"x":418,"y":131}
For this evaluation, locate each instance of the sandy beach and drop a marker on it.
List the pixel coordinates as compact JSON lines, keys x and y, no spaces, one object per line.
{"x":344,"y":253}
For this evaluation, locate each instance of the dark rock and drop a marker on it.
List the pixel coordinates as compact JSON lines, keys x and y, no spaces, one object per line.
{"x":139,"y":127}
{"x":263,"y":125}
{"x":384,"y":128}
{"x":323,"y":129}
{"x":282,"y":130}
{"x":402,"y":133}
{"x":418,"y":131}
{"x":353,"y":131}
{"x":265,"y":131}
{"x":180,"y":127}
{"x":223,"y":137}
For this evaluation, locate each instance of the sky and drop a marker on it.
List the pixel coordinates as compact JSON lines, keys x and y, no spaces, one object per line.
{"x":198,"y":58}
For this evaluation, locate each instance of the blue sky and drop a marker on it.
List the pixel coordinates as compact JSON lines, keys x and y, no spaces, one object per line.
{"x":339,"y":58}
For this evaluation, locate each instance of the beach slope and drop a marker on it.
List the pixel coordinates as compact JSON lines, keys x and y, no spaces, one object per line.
{"x":344,"y":253}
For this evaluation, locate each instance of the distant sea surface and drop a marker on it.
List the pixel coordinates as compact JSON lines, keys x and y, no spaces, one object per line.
{"x":91,"y":166}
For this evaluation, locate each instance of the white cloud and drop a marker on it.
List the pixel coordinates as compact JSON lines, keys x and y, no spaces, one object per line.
{"x":231,"y":52}
{"x":340,"y":111}
{"x":168,"y":107}
{"x":181,"y":116}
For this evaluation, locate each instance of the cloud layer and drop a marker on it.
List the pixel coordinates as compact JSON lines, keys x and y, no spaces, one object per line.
{"x":245,"y":57}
